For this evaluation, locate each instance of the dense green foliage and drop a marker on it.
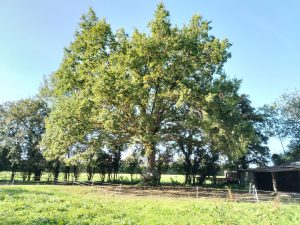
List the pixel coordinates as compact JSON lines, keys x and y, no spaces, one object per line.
{"x":284,"y":123}
{"x":159,"y":98}
{"x":21,"y":128}
{"x":145,"y":103}
{"x":152,"y":90}
{"x":81,"y":205}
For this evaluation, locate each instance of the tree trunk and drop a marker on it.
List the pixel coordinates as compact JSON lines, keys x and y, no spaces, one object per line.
{"x":90,"y":172}
{"x":29,"y":176}
{"x":37,"y":175}
{"x":151,"y":176}
{"x":202,"y":179}
{"x":13,"y":174}
{"x":67,"y":173}
{"x":187,"y":162}
{"x":76,"y":173}
{"x":56,"y":172}
{"x":187,"y":168}
{"x":102,"y":177}
{"x":116,"y":162}
{"x":151,"y":162}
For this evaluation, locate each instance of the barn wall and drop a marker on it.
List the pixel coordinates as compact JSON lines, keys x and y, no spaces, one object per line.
{"x":288,"y":181}
{"x":263,"y":181}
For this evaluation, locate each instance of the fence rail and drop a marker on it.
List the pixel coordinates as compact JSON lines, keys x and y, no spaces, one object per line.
{"x":167,"y":191}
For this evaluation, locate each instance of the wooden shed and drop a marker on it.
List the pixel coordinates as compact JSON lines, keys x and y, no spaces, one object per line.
{"x":285,"y":178}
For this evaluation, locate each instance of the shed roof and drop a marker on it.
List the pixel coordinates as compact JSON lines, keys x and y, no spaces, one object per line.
{"x":292,"y":166}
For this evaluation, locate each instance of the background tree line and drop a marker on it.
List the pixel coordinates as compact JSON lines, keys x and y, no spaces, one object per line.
{"x":161,"y":99}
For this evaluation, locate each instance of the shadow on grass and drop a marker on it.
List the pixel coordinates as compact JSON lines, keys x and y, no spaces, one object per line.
{"x":36,"y":221}
{"x":15,"y":191}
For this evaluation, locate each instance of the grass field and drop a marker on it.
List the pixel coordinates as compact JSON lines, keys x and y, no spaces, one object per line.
{"x":178,"y":179}
{"x":175,"y":179}
{"x":42,"y":204}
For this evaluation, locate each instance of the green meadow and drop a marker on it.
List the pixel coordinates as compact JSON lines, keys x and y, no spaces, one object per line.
{"x":122,"y":177}
{"x":46,"y":204}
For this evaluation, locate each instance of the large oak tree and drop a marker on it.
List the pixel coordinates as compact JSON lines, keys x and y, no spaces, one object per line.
{"x":132,"y":86}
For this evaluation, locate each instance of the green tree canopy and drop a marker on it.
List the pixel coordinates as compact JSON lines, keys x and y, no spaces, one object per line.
{"x":133,"y":86}
{"x":21,"y":128}
{"x":284,"y":119}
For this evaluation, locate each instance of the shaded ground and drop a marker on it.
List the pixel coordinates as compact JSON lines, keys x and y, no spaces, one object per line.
{"x":206,"y":193}
{"x":186,"y":192}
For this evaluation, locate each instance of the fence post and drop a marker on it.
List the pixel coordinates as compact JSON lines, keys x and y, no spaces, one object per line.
{"x":256,"y":196}
{"x":197,"y":192}
{"x":253,"y":190}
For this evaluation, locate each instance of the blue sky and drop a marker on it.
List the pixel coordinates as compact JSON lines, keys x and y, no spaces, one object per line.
{"x":265,"y":37}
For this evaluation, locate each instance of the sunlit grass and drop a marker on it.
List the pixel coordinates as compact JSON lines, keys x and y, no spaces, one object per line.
{"x":44,"y":204}
{"x":177,"y":179}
